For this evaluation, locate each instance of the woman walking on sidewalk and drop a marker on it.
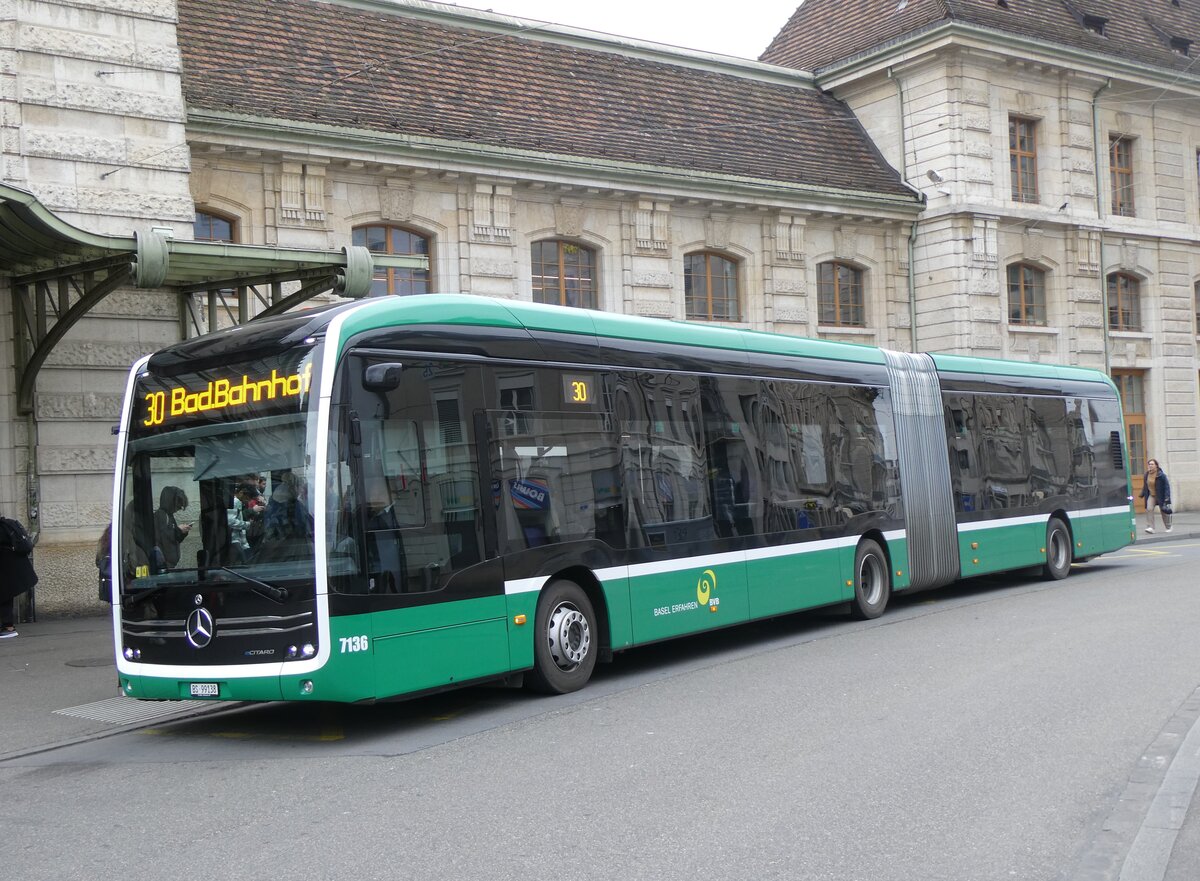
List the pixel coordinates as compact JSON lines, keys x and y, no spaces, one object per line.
{"x":1156,"y":492}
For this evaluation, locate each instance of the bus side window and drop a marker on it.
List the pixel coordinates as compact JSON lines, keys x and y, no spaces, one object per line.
{"x":732,"y":469}
{"x":558,"y":481}
{"x":963,"y":440}
{"x":663,"y":459}
{"x":394,"y":497}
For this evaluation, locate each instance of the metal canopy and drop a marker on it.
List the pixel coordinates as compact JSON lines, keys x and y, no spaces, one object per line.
{"x":59,"y":272}
{"x":36,"y":244}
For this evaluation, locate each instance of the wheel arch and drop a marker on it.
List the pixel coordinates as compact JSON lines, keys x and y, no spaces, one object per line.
{"x":876,"y":536}
{"x":590,"y":584}
{"x":1062,"y":515}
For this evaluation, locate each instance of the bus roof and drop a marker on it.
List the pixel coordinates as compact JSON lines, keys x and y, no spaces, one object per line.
{"x":474,"y":310}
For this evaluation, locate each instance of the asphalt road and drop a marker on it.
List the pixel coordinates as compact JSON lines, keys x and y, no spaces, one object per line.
{"x":999,"y":729}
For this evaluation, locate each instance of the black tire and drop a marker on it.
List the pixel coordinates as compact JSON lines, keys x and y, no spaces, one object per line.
{"x":566,"y":641}
{"x":872,"y":581}
{"x":1059,"y":551}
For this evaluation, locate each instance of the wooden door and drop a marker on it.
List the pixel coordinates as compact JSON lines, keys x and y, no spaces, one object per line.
{"x":1133,"y":407}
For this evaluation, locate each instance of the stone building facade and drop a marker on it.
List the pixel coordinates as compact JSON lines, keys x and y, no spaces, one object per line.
{"x":92,"y":120}
{"x":1057,"y":146}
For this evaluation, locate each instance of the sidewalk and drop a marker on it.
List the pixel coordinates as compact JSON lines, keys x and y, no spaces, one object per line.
{"x":53,"y":665}
{"x":58,"y":685}
{"x":1183,"y":525}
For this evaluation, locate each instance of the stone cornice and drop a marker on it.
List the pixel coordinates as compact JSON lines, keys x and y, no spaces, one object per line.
{"x":477,"y":158}
{"x":949,"y":34}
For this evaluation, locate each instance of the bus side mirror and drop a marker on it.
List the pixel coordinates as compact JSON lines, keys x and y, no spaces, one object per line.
{"x":382,"y":377}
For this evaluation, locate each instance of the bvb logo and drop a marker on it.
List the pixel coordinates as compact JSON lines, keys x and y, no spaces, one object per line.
{"x":705,"y":586}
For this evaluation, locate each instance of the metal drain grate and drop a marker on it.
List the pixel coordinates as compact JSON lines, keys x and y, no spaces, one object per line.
{"x":126,"y":711}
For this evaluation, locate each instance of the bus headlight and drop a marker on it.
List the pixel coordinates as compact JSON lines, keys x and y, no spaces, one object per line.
{"x":309,"y":650}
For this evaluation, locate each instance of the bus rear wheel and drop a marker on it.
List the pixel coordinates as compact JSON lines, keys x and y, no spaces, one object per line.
{"x":1058,"y":550}
{"x":872,"y":581}
{"x":565,"y":639}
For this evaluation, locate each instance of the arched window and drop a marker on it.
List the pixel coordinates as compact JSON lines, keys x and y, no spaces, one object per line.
{"x":385,"y":239}
{"x":710,"y":287}
{"x":1026,"y":294}
{"x":840,"y":295}
{"x":564,"y":274}
{"x":1124,"y":302}
{"x":210,"y":227}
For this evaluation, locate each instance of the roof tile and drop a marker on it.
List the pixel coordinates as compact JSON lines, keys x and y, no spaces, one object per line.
{"x":348,"y":67}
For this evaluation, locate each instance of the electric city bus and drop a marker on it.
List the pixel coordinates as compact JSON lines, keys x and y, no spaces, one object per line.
{"x":401,"y":495}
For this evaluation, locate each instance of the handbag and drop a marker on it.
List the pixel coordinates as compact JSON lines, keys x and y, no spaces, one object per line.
{"x":1165,"y":507}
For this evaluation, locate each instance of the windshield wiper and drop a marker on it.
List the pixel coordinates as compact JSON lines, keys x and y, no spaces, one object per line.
{"x":270,"y":591}
{"x":144,"y":594}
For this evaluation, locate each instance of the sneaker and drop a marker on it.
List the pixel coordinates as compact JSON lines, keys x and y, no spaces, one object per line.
{"x":1150,"y":529}
{"x":8,"y":633}
{"x":1168,"y":529}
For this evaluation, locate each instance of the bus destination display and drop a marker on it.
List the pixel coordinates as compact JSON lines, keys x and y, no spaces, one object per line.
{"x":165,"y":403}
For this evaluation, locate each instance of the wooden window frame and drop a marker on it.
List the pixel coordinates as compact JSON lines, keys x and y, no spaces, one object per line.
{"x":558,"y":295}
{"x":1022,"y":158}
{"x":1124,"y":299}
{"x":832,"y":293}
{"x":1028,"y":293}
{"x":698,"y":305}
{"x":215,"y":215}
{"x":399,"y":280}
{"x":1120,"y":168}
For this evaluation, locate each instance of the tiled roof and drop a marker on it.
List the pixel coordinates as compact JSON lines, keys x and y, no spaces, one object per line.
{"x":383,"y":70}
{"x":824,"y":31}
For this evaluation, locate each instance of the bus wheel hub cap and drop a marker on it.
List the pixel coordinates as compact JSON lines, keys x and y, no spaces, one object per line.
{"x":569,"y":637}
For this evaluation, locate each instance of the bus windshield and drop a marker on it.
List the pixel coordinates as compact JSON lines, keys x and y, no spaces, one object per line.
{"x":218,"y":479}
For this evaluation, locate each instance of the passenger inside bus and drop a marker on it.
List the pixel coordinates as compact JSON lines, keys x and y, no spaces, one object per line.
{"x":168,"y":532}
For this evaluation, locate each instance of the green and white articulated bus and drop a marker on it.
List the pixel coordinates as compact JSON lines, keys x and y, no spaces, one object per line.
{"x":457,"y":489}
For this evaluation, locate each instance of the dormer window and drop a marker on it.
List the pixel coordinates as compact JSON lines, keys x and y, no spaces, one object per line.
{"x":1180,"y":45}
{"x":1095,"y":23}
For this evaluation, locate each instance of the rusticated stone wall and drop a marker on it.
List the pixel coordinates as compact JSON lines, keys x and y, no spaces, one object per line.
{"x":92,"y":122}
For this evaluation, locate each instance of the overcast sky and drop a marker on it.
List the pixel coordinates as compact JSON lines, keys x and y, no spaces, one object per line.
{"x":744,"y":31}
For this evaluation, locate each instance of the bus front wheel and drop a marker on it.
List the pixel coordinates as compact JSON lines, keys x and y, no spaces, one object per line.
{"x":565,"y":639}
{"x":872,"y":581}
{"x":1058,"y":550}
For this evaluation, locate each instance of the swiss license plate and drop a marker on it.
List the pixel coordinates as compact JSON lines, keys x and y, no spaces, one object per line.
{"x":205,"y":689}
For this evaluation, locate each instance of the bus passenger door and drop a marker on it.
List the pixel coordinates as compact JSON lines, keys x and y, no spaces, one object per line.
{"x":557,"y":499}
{"x":687,"y":566}
{"x":438,"y":602}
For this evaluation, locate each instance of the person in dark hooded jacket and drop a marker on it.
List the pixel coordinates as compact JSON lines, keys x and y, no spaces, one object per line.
{"x":17,"y":574}
{"x":168,"y":533}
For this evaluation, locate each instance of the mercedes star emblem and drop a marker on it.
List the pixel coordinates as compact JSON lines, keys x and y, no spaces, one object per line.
{"x":200,"y":627}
